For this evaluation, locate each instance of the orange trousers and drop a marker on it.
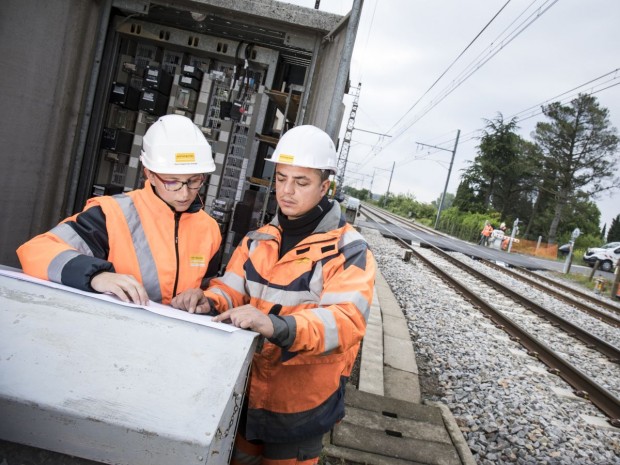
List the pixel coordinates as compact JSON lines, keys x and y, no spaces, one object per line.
{"x":304,"y":452}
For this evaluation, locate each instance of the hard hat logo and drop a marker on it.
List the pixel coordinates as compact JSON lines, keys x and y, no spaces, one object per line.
{"x":175,"y":145}
{"x":185,"y":157}
{"x":289,"y":159}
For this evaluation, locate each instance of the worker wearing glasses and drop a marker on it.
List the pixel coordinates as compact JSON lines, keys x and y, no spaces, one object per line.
{"x":148,"y":244}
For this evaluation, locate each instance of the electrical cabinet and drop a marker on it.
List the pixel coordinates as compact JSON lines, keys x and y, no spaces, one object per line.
{"x":116,"y":384}
{"x":220,"y":83}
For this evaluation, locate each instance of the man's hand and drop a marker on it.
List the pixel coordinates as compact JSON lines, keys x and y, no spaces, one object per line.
{"x":192,"y":301}
{"x":248,"y":317}
{"x":124,"y":286}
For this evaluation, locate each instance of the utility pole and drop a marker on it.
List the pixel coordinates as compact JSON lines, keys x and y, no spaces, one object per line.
{"x":443,"y":196}
{"x":389,"y":184}
{"x":372,"y":180}
{"x":346,"y":143}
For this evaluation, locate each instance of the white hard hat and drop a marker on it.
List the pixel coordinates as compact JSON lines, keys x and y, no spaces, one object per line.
{"x":175,"y":145}
{"x":306,"y":146}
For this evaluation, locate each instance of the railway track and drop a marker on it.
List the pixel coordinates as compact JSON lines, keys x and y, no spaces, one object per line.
{"x":474,"y":285}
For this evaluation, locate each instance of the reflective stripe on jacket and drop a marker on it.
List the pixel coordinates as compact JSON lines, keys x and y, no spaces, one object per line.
{"x":135,"y":233}
{"x":324,"y":286}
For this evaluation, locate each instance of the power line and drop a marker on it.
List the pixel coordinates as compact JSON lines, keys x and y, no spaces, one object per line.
{"x":573,"y":93}
{"x":450,"y":66}
{"x":455,"y":85}
{"x":522,"y":25}
{"x":372,"y":20}
{"x":567,"y":98}
{"x":372,"y":152}
{"x":476,"y":65}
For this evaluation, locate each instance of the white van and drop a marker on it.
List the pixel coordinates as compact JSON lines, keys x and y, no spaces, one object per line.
{"x":608,"y":255}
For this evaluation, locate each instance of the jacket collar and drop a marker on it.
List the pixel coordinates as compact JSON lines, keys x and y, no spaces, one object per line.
{"x":332,"y":220}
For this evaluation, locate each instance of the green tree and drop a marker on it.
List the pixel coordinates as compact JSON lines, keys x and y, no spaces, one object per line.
{"x":579,"y":146}
{"x":407,"y":206}
{"x":614,"y":230}
{"x":502,"y":175}
{"x":362,"y":194}
{"x":447,"y":203}
{"x":467,"y":198}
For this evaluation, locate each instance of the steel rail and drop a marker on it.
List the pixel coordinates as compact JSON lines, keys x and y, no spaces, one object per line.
{"x":533,"y":279}
{"x":584,"y":386}
{"x":593,"y":342}
{"x":609,"y":319}
{"x":564,"y":287}
{"x":582,"y":383}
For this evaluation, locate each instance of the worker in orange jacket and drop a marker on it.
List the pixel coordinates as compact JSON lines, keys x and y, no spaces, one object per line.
{"x":308,"y":278}
{"x":151,"y":243}
{"x":486,"y":233}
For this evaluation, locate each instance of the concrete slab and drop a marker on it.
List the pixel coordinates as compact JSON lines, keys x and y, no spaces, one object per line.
{"x":374,"y":403}
{"x":340,"y":453}
{"x":455,"y":433}
{"x":388,"y":421}
{"x":599,"y":422}
{"x":401,"y":385}
{"x":396,"y":327}
{"x":398,"y":353}
{"x":389,"y":306}
{"x":379,"y":431}
{"x":393,"y":444}
{"x":387,"y":301}
{"x":371,"y":363}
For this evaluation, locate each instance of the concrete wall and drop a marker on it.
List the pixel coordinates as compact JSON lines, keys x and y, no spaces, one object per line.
{"x":324,"y":81}
{"x":42,"y":87}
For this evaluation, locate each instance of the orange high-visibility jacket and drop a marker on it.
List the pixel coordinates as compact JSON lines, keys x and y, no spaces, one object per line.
{"x":487,"y":230}
{"x":135,"y":233}
{"x":324,"y":286}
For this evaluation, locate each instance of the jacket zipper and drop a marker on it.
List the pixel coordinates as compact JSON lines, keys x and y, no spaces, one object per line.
{"x":177,"y":217}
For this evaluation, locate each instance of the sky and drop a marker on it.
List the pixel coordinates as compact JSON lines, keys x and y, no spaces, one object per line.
{"x":428,"y":68}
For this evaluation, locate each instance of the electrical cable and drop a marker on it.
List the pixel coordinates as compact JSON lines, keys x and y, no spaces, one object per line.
{"x":372,"y":20}
{"x":515,"y":33}
{"x":450,"y":66}
{"x":396,"y":136}
{"x":575,"y":93}
{"x":453,"y":87}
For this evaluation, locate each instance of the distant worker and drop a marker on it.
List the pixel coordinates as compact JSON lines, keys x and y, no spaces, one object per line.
{"x":308,"y":277}
{"x":486,"y":233}
{"x":151,"y":243}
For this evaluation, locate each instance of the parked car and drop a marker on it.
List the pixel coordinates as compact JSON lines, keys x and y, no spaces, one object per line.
{"x":608,"y":255}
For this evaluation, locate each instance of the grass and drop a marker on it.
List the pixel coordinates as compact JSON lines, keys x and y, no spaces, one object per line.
{"x":584,"y":280}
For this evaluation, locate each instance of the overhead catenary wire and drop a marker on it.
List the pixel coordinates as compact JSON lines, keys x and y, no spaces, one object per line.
{"x":445,"y":71}
{"x":593,"y":86}
{"x":457,"y":83}
{"x":450,"y":65}
{"x":574,"y":93}
{"x":564,"y":97}
{"x":453,"y":86}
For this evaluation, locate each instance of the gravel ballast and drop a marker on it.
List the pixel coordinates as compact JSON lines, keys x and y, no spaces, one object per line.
{"x":508,"y":406}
